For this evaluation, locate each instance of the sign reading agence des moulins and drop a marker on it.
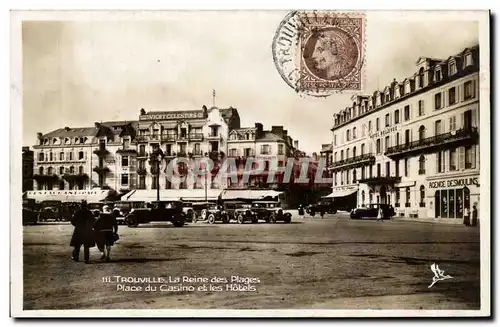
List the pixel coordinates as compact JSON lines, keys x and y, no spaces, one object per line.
{"x":454,"y":182}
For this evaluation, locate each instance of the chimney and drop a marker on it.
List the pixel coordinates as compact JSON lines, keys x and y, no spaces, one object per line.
{"x":97,"y":125}
{"x":277,"y":130}
{"x":67,"y":128}
{"x":205,"y":111}
{"x":285,"y":135}
{"x":296,"y":144}
{"x":39,"y":135}
{"x":143,"y":112}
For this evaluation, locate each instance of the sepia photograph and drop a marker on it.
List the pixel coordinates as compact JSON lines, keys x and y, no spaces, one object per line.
{"x":264,"y":163}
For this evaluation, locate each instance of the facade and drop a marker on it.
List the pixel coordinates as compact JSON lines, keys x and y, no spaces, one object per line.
{"x":415,"y":144}
{"x":28,"y":159}
{"x":274,"y":147}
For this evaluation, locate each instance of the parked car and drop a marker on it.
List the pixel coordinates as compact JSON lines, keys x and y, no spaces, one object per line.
{"x":239,"y":211}
{"x":270,"y":211}
{"x":30,"y":216}
{"x":50,"y":210}
{"x":322,"y":207}
{"x":170,"y":211}
{"x":188,"y":210}
{"x":215,"y":213}
{"x":200,"y":210}
{"x":371,"y":211}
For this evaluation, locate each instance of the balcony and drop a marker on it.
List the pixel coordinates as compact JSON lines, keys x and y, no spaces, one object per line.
{"x":142,"y":155}
{"x":354,"y":162}
{"x":75,"y":177}
{"x":430,"y":143}
{"x":141,"y":171}
{"x":169,"y":138}
{"x":45,"y":178}
{"x":181,"y":154}
{"x":214,"y":137}
{"x":196,"y":137}
{"x":126,"y":151}
{"x":141,"y":138}
{"x":101,"y":152}
{"x":101,"y":169}
{"x":380,"y":180}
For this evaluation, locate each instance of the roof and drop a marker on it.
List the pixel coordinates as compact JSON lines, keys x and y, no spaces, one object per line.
{"x":72,"y":132}
{"x":268,"y":136}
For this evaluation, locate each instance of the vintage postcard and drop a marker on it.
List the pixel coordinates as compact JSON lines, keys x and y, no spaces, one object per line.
{"x":309,"y":163}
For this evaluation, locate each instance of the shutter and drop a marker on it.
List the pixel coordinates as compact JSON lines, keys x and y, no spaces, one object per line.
{"x":462,"y":120}
{"x":473,"y":117}
{"x":473,"y":156}
{"x":461,"y":157}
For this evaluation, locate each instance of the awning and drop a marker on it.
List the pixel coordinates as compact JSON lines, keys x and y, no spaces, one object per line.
{"x":69,"y":195}
{"x":171,"y":195}
{"x":405,"y":184}
{"x":339,"y":192}
{"x":249,"y":194}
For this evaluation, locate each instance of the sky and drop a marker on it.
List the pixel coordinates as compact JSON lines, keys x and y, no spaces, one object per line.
{"x":79,"y":71}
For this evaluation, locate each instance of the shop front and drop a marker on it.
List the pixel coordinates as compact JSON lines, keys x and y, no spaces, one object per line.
{"x":450,"y":197}
{"x":344,"y":196}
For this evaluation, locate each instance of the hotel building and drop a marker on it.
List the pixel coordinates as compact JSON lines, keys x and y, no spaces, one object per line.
{"x":414,"y":144}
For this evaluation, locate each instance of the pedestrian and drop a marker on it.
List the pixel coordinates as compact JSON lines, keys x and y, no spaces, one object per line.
{"x":474,"y":215}
{"x":301,"y":210}
{"x":106,"y":229}
{"x":380,"y":215}
{"x":83,"y":220}
{"x":466,"y":217}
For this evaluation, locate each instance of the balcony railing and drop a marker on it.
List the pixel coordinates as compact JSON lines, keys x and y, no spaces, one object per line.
{"x":101,"y":169}
{"x":433,"y":141}
{"x":45,"y":178}
{"x":126,"y":150}
{"x":217,"y":136}
{"x":363,"y":159}
{"x":382,"y":180}
{"x":75,"y":176}
{"x":168,"y":138}
{"x":196,"y":137}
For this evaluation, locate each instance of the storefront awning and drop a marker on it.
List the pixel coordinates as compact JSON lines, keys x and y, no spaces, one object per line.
{"x":249,"y":194}
{"x":339,"y":192}
{"x":171,"y":195}
{"x":69,"y":195}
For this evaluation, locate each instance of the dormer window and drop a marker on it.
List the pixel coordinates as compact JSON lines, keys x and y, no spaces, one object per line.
{"x":54,"y":140}
{"x":453,"y":68}
{"x":387,"y":97}
{"x":46,"y":142}
{"x":468,"y":59}
{"x":67,"y":141}
{"x":438,"y":76}
{"x":77,"y":140}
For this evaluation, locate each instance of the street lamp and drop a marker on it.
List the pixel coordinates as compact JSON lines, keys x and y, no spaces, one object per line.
{"x":158,"y":177}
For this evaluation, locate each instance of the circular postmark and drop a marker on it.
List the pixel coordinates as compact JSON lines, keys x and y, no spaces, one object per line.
{"x":320,"y":53}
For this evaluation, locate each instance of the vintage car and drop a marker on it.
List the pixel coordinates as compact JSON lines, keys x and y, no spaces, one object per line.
{"x":233,"y":209}
{"x":215,"y":213}
{"x":170,"y":211}
{"x":371,"y":211}
{"x":321,"y":207}
{"x":270,"y":211}
{"x":244,"y":213}
{"x":122,"y":208}
{"x":50,"y":210}
{"x":188,"y":210}
{"x":30,"y":216}
{"x":200,"y":210}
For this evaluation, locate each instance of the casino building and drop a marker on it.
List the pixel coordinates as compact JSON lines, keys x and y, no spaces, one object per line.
{"x":414,"y":144}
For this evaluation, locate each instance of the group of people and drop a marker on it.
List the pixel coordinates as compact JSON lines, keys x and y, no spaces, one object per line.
{"x":467,"y":216}
{"x":90,"y":229}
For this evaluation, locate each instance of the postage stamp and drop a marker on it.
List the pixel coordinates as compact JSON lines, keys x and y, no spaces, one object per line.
{"x":321,"y":53}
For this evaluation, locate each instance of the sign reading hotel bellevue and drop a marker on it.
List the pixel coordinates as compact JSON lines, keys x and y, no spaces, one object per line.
{"x":172,"y":115}
{"x":385,"y":131}
{"x":454,"y":182}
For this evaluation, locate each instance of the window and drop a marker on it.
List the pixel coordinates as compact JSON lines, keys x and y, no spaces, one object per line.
{"x":197,"y":148}
{"x":363,"y":198}
{"x":335,"y":156}
{"x":421,"y":77}
{"x":421,"y":165}
{"x":371,"y":171}
{"x":335,"y":179}
{"x":80,"y":170}
{"x":452,"y":96}
{"x":49,"y":171}
{"x":437,"y":127}
{"x":437,"y":101}
{"x":142,"y":150}
{"x":124,"y":179}
{"x":377,"y":126}
{"x":126,"y":143}
{"x":40,"y":156}
{"x":407,"y":112}
{"x":334,"y":139}
{"x":354,"y":152}
{"x":362,"y":149}
{"x":40,"y":170}
{"x":407,"y":166}
{"x":233,"y":152}
{"x":281,"y":148}
{"x":453,"y":159}
{"x":407,"y":136}
{"x":438,"y":75}
{"x":51,"y":158}
{"x":265,"y":149}
{"x":468,"y":60}
{"x":61,"y":156}
{"x":440,"y":162}
{"x":61,"y":170}
{"x":72,"y":169}
{"x":387,"y":120}
{"x":379,"y":168}
{"x":468,"y":90}
{"x":386,"y":143}
{"x":354,"y":176}
{"x":124,"y":161}
{"x":421,"y":133}
{"x":347,"y":174}
{"x":71,"y":156}
{"x":347,"y":153}
{"x":80,"y":155}
{"x":363,"y":172}
{"x":396,"y":116}
{"x":398,"y":196}
{"x":341,"y":155}
{"x":397,"y":138}
{"x":396,"y":164}
{"x":354,"y":133}
{"x":453,"y":68}
{"x":421,"y":108}
{"x":407,"y":197}
{"x":453,"y":123}
{"x":348,"y":135}
{"x":388,"y":169}
{"x":379,"y":150}
{"x":470,"y":157}
{"x":422,"y":196}
{"x":370,"y":126}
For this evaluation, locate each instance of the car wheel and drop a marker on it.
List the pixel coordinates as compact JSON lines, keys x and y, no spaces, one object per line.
{"x":241,"y":219}
{"x":288,"y":219}
{"x":254,"y":220}
{"x":204,"y":214}
{"x":225,"y":219}
{"x":272,"y":218}
{"x":211,"y":218}
{"x":132,"y":223}
{"x":312,"y":213}
{"x":179,"y":222}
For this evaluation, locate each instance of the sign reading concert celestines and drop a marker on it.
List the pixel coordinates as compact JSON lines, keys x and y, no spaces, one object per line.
{"x":172,"y":115}
{"x":457,"y":182}
{"x":385,"y":131}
